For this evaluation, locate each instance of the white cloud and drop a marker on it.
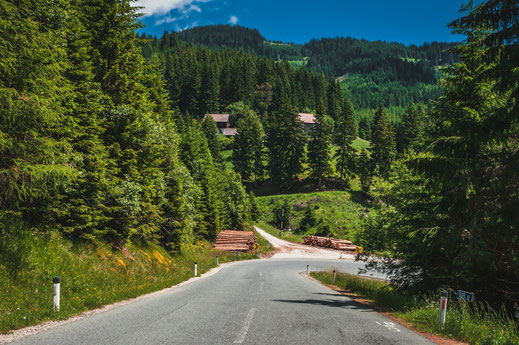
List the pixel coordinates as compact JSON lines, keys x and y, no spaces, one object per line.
{"x":233,"y":20}
{"x":167,"y":19}
{"x":161,"y":7}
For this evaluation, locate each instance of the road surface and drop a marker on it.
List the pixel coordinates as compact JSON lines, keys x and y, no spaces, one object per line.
{"x":254,"y":302}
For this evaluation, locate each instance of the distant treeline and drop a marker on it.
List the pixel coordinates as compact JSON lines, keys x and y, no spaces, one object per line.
{"x":371,"y":73}
{"x":201,"y":80}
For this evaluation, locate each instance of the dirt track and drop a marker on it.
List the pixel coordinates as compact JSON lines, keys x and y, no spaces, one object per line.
{"x":285,"y":249}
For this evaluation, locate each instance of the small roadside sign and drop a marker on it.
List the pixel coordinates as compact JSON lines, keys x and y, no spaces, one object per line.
{"x":256,"y":247}
{"x":359,"y":250}
{"x":465,"y":296}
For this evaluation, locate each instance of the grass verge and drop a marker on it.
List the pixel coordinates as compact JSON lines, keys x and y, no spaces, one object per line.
{"x":279,"y":234}
{"x":263,"y":244}
{"x":475,"y":324}
{"x":92,"y":277}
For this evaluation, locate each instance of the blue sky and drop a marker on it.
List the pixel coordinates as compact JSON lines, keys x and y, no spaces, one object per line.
{"x":405,"y":21}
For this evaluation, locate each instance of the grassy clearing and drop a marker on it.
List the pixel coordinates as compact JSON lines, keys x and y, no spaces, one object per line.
{"x":479,"y":324}
{"x":227,"y":159}
{"x":360,"y":144}
{"x":92,"y":277}
{"x":341,"y":211}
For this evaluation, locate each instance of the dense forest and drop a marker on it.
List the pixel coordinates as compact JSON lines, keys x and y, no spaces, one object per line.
{"x":201,"y":80}
{"x":89,"y":142}
{"x":372,"y":73}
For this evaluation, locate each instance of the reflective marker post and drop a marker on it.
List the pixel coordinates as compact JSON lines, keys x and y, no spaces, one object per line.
{"x":196,"y":269}
{"x":56,"y":282}
{"x":217,"y":262}
{"x":307,"y":269}
{"x":334,"y":276}
{"x":443,"y":308}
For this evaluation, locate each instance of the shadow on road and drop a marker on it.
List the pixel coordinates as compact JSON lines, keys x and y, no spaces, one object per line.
{"x":337,"y":303}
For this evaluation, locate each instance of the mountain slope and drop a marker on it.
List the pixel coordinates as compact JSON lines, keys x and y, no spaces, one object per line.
{"x":372,"y":73}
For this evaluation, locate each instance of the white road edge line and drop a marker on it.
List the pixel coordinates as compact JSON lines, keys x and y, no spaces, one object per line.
{"x":245,"y":328}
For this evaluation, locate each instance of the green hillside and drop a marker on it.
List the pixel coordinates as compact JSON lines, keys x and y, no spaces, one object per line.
{"x":371,"y":73}
{"x":337,"y":213}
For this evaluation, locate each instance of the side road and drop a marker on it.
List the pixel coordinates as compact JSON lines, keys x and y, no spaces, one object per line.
{"x":285,"y":249}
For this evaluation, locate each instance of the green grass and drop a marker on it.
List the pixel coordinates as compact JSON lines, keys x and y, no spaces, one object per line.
{"x":360,"y":144}
{"x":479,"y":324}
{"x":275,"y":232}
{"x":298,"y":63}
{"x":227,"y":158}
{"x":92,"y":277}
{"x":264,"y":246}
{"x":341,"y":210}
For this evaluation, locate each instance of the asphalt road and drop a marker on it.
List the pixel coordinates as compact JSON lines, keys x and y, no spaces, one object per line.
{"x":254,"y":302}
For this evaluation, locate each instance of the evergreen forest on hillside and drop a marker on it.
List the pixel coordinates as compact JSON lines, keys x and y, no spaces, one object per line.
{"x":104,"y":141}
{"x":371,"y":73}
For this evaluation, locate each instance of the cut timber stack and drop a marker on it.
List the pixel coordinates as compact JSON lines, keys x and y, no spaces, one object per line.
{"x":332,"y":243}
{"x":230,"y":241}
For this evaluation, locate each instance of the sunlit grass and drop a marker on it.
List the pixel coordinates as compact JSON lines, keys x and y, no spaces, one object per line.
{"x":285,"y":235}
{"x":476,"y":323}
{"x":342,"y":211}
{"x":92,"y":277}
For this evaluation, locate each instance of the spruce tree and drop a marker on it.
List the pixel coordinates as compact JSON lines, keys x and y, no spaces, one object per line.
{"x":365,"y":170}
{"x":383,"y":143}
{"x":409,"y":132}
{"x":211,"y":133}
{"x":286,"y":142}
{"x":345,"y":134}
{"x":248,"y":147}
{"x":319,"y":149}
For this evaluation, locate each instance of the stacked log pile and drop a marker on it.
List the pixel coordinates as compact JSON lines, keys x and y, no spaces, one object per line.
{"x":331,"y":243}
{"x":230,"y":241}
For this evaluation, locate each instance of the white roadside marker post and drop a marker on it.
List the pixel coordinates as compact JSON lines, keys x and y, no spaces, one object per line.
{"x":260,"y":254}
{"x":307,"y":269}
{"x":443,"y":308}
{"x":56,"y":282}
{"x":334,"y":276}
{"x":217,"y":261}
{"x":196,"y":269}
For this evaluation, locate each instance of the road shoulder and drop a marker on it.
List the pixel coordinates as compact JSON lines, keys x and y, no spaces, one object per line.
{"x":359,"y":299}
{"x":21,"y":333}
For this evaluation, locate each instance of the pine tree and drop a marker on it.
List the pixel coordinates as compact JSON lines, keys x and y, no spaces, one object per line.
{"x":383,"y":143}
{"x":308,"y":221}
{"x":36,"y":161}
{"x":319,"y":149}
{"x":286,"y":141}
{"x":210,"y":89}
{"x":211,"y":131}
{"x":115,"y":49}
{"x":248,"y":147}
{"x":365,"y":170}
{"x":345,"y":134}
{"x":409,"y":132}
